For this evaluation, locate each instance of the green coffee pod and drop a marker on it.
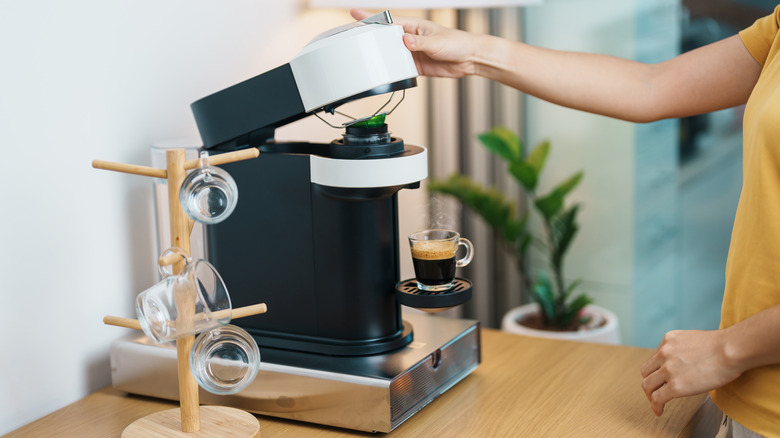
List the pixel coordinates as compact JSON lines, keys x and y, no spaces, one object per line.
{"x":374,"y":122}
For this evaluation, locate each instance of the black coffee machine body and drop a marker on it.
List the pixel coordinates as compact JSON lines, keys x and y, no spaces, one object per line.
{"x":323,"y":257}
{"x":315,"y":234}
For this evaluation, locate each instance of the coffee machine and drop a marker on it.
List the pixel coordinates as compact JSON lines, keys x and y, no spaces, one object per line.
{"x":315,"y":237}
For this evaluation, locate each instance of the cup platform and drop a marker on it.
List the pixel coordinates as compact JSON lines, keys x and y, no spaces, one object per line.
{"x":408,"y":294}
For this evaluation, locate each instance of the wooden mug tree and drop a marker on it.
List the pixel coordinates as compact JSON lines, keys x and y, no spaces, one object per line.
{"x":194,"y":420}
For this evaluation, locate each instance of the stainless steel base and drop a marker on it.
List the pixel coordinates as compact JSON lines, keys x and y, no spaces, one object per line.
{"x":369,"y":393}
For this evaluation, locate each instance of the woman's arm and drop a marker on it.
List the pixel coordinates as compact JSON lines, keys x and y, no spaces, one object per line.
{"x":690,"y":362}
{"x":717,"y":76}
{"x":713,"y":77}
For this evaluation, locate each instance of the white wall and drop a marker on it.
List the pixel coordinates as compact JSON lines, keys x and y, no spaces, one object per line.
{"x":91,"y":79}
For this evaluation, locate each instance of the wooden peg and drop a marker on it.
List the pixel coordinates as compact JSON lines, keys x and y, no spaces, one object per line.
{"x":239,"y":312}
{"x":122,"y":322}
{"x":242,"y":312}
{"x":130,"y":168}
{"x":229,"y":157}
{"x":169,"y":259}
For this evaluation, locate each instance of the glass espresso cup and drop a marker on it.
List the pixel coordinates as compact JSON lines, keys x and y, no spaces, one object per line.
{"x":433,"y":255}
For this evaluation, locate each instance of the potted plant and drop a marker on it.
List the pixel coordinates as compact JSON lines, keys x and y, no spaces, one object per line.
{"x":557,"y":310}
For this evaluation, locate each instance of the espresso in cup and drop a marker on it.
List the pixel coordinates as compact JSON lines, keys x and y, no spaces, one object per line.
{"x":434,"y":258}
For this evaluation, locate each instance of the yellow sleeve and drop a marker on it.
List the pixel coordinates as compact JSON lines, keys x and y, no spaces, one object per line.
{"x":758,"y":38}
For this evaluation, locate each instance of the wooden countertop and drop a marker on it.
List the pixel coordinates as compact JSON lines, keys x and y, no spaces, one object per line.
{"x":523,"y":387}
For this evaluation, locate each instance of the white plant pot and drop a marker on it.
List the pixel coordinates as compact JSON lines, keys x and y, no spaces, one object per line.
{"x":609,"y":333}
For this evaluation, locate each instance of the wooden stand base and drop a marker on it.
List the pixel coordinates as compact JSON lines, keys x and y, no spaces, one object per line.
{"x":215,"y":421}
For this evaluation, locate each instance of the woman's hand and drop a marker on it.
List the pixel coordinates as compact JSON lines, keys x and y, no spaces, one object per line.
{"x":437,"y":50}
{"x":687,"y":362}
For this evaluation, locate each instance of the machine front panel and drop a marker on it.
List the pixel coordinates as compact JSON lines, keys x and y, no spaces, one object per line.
{"x":264,"y":249}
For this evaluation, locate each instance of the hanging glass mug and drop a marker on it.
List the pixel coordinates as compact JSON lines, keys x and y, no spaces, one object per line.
{"x":193,"y":301}
{"x":208,"y":194}
{"x":224,"y":360}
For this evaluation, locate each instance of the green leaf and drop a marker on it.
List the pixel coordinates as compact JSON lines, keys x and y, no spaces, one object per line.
{"x":525,"y":174}
{"x":563,"y":228}
{"x":571,"y":288}
{"x":552,"y":203}
{"x":549,"y":205}
{"x":502,"y":142}
{"x":527,"y":239}
{"x":573,"y":309}
{"x":543,"y":294}
{"x":567,"y":186}
{"x":514,"y":230}
{"x":537,"y":157}
{"x":512,"y":141}
{"x":490,"y":204}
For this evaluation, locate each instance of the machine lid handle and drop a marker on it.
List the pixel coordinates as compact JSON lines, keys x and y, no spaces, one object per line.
{"x":381,"y":18}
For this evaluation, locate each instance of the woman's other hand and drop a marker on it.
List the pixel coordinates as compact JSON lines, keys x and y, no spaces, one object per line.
{"x":687,"y":362}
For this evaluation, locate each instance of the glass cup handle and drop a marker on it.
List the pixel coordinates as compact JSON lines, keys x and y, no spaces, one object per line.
{"x":469,"y":252}
{"x":204,"y":159}
{"x":164,"y":272}
{"x":205,"y":167}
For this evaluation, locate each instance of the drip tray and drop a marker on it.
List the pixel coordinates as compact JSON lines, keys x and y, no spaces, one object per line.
{"x":408,"y":294}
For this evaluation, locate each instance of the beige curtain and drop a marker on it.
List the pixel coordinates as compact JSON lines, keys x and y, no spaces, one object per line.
{"x":460,"y":109}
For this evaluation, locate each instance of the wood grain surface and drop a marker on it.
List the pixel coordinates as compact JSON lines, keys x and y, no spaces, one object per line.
{"x":525,"y":387}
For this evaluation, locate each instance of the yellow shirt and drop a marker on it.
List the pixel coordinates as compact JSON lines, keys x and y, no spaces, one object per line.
{"x":753,"y":267}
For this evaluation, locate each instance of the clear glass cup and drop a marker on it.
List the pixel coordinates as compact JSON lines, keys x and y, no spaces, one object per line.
{"x":208,"y":194}
{"x":224,"y":360}
{"x":193,"y":301}
{"x":433,"y":255}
